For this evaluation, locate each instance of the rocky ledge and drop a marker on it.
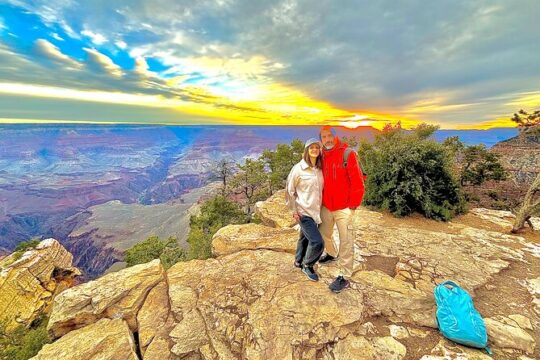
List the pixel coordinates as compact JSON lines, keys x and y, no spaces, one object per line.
{"x":30,"y":280}
{"x":249,"y":302}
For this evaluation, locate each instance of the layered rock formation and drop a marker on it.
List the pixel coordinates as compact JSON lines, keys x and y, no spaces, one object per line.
{"x":105,"y":339}
{"x":520,"y":155}
{"x":520,"y":158}
{"x":30,"y":280}
{"x":250,"y":302}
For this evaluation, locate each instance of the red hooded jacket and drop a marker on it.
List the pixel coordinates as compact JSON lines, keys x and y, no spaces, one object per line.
{"x":343,"y":187}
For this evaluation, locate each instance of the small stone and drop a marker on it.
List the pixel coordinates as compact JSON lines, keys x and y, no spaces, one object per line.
{"x":415,"y":263}
{"x":507,"y":336}
{"x":388,"y":348}
{"x":522,"y":321}
{"x":367,"y":329}
{"x":418,"y":333}
{"x":398,"y":332}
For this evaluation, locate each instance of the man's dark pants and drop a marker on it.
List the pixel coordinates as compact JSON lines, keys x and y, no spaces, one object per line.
{"x":310,"y":244}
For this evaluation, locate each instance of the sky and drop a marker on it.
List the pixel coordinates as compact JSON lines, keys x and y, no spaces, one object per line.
{"x":456,"y":64}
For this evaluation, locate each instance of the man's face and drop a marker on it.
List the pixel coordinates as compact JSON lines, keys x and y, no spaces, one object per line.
{"x":327,"y":139}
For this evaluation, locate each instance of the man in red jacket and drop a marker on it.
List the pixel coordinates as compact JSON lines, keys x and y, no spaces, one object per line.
{"x":342,"y":194}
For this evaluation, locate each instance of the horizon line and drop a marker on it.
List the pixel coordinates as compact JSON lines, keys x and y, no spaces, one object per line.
{"x":109,"y":123}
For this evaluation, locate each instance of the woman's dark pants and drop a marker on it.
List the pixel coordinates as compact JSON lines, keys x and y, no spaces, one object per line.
{"x":310,"y":244}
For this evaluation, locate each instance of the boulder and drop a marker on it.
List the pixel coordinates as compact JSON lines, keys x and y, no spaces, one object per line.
{"x":521,"y":321}
{"x":233,"y":238}
{"x":274,"y":213}
{"x":116,"y":295}
{"x":29,"y":282}
{"x":105,"y":340}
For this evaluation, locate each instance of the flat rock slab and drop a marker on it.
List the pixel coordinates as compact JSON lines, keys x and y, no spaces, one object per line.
{"x":115,"y":295}
{"x":234,"y":238}
{"x":104,"y":340}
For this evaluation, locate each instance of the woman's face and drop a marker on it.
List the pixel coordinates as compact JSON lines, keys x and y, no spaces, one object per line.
{"x":314,"y":150}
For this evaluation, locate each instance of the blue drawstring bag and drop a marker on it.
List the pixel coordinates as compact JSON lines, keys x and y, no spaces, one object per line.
{"x":457,"y":318}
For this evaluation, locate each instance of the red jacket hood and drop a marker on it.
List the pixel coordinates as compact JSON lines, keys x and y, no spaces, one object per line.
{"x":337,"y":145}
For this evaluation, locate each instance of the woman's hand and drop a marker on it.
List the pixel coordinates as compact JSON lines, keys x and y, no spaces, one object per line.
{"x":296,"y":217}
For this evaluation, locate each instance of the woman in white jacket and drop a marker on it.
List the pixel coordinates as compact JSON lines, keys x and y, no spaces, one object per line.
{"x":304,"y":196}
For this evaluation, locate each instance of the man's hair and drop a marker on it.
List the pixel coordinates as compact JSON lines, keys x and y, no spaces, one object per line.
{"x":327,"y":128}
{"x":318,"y":162}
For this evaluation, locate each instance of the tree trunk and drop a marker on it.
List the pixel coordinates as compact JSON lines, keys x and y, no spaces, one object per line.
{"x":529,"y":207}
{"x":521,"y":218}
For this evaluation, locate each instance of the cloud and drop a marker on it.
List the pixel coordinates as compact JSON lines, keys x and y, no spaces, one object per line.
{"x":47,"y":110}
{"x":57,"y":37}
{"x":528,"y":100}
{"x":97,"y":39}
{"x":51,"y":52}
{"x":101,"y":62}
{"x":235,"y":67}
{"x":445,"y":62}
{"x":121,"y":44}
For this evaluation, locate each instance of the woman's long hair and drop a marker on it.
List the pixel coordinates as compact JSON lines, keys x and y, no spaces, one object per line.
{"x":318,"y":162}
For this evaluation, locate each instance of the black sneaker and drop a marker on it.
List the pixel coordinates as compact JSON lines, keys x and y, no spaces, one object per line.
{"x":310,"y":273}
{"x":339,"y":284}
{"x":297,"y":264}
{"x":326,"y":259}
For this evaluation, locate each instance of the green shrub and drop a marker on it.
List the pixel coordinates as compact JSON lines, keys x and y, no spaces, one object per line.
{"x":480,"y":165}
{"x":251,"y":183}
{"x":280,"y":161}
{"x":215,"y":214}
{"x":25,"y":245}
{"x":22,"y":247}
{"x":17,"y":255}
{"x":168,"y":251}
{"x":499,"y":205}
{"x":23,"y":343}
{"x":471,"y":197}
{"x":493,"y":194}
{"x":410,"y":172}
{"x":475,"y":163}
{"x":255,"y":219}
